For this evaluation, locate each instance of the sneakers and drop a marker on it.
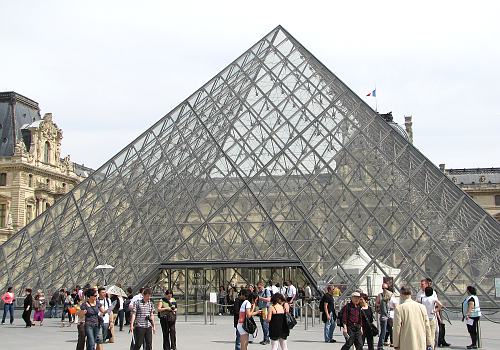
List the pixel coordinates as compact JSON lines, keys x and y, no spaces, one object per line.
{"x":264,"y":342}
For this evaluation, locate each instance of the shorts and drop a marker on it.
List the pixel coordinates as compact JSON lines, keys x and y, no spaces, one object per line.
{"x":240,"y":329}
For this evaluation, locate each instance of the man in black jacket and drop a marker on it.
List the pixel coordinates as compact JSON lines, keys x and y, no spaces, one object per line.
{"x":28,"y":302}
{"x":351,"y":323}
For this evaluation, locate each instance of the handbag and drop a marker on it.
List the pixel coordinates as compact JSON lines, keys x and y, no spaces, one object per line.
{"x":290,"y":320}
{"x":373,"y":327}
{"x":249,"y":325}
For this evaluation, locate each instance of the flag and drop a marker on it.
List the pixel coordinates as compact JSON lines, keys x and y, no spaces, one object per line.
{"x":373,"y":93}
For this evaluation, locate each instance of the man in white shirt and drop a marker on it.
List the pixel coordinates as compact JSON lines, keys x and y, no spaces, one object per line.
{"x":431,"y":303}
{"x":291,"y":296}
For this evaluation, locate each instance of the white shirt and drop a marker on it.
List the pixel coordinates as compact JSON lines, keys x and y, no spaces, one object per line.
{"x":391,"y":305}
{"x":105,"y":303}
{"x":273,"y":289}
{"x":135,"y":299}
{"x":292,"y":291}
{"x":421,"y":294}
{"x":308,"y":292}
{"x":430,"y":305}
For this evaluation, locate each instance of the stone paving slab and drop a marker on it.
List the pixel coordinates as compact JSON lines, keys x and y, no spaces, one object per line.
{"x":194,"y":334}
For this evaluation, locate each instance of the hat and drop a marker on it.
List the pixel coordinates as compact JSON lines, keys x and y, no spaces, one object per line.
{"x":355,"y":294}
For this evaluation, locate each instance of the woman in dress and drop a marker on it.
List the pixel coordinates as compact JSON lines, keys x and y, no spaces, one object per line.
{"x":167,"y":309}
{"x":39,"y":304}
{"x":278,"y":327}
{"x":367,"y":320}
{"x":247,"y":309}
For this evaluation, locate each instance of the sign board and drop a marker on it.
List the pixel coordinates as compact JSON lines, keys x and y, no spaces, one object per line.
{"x":213,"y":297}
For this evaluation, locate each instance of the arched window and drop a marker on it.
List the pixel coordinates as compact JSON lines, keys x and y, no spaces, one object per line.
{"x":46,"y":152}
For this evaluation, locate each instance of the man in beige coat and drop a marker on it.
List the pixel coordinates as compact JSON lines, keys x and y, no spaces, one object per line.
{"x":411,"y":329}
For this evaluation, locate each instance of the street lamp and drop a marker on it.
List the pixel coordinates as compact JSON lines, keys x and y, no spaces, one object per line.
{"x":105,"y":269}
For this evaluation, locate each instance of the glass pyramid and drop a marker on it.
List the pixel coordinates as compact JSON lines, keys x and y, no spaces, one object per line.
{"x":274,"y":159}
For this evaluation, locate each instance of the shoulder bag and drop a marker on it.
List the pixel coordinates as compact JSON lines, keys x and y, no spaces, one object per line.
{"x":290,"y":320}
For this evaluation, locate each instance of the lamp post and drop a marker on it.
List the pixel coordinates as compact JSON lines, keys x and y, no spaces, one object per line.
{"x":105,"y":268}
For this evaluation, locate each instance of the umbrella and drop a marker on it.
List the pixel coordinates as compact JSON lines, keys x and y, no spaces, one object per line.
{"x":116,"y":291}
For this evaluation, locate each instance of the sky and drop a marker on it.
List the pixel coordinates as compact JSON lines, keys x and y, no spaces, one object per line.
{"x":108,"y":70}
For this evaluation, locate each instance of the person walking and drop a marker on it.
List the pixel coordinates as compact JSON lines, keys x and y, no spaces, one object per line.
{"x":263,"y":304}
{"x":39,"y":304}
{"x":432,"y":305}
{"x":411,"y":330}
{"x":367,"y":321}
{"x":278,"y":326}
{"x":54,"y":304}
{"x":236,"y":315}
{"x":28,"y":306}
{"x":328,"y":315}
{"x":247,"y":309}
{"x":142,"y":322}
{"x":392,"y":304}
{"x":118,"y":311}
{"x":91,"y":309}
{"x":471,"y":313}
{"x":351,"y":323}
{"x":8,"y":305}
{"x":382,"y":307}
{"x":68,"y":303}
{"x":221,"y":298}
{"x":106,"y":321}
{"x":167,"y":310}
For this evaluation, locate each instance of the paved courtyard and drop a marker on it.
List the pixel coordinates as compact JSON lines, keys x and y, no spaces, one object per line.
{"x":194,"y":334}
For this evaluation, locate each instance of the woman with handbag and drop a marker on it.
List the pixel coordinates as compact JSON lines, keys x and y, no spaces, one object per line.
{"x":167,"y":309}
{"x":245,"y":320}
{"x":278,"y":325}
{"x":367,"y":322}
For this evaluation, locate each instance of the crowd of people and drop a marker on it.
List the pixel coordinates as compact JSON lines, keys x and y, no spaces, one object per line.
{"x":403,"y":323}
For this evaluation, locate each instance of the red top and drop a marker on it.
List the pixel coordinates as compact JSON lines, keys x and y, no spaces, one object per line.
{"x":8,"y":298}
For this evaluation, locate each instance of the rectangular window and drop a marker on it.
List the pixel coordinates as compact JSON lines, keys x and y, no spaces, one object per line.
{"x":497,"y":200}
{"x":3,"y":214}
{"x":3,"y":179}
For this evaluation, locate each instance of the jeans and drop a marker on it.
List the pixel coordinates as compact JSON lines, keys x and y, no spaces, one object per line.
{"x":329,"y":328}
{"x":93,"y":336}
{"x":53,"y":311}
{"x":10,"y":309}
{"x":105,"y":330}
{"x":237,"y":342}
{"x":383,"y":329}
{"x":265,"y":328}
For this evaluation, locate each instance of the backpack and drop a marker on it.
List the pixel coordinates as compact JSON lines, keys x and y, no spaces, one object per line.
{"x":341,"y":314}
{"x":322,"y":304}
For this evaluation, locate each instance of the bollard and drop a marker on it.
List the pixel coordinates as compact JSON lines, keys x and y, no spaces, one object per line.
{"x":306,"y":316}
{"x":205,"y":311}
{"x":213,"y":313}
{"x":479,"y":334}
{"x":313,"y":313}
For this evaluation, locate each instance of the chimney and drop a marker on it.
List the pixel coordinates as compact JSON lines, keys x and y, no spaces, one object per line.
{"x":409,"y":127}
{"x":441,"y":167}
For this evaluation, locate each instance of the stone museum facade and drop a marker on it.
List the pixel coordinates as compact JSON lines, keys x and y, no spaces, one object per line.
{"x":32,"y":173}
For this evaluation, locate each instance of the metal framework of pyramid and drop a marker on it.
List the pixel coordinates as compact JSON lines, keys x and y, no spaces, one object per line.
{"x":274,"y":159}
